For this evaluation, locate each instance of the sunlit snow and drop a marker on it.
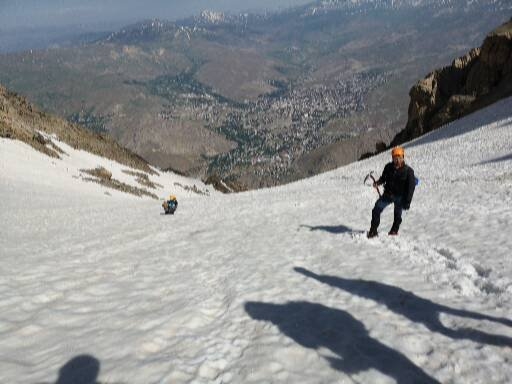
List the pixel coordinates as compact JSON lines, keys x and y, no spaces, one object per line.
{"x":271,"y":286}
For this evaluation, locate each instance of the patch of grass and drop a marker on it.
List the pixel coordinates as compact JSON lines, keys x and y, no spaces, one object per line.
{"x":143,"y":179}
{"x":192,"y":189}
{"x":99,"y":172}
{"x":103,"y":177}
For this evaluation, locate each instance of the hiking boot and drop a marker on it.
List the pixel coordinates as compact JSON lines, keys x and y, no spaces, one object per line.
{"x":372,"y":233}
{"x":394,"y":228}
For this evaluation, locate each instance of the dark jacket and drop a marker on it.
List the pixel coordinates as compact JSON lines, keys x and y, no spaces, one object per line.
{"x":398,"y":182}
{"x":170,"y":205}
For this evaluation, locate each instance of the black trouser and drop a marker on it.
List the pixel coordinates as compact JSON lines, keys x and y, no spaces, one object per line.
{"x":382,"y":203}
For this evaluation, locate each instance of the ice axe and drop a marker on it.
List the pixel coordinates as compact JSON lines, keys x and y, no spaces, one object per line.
{"x":369,"y":178}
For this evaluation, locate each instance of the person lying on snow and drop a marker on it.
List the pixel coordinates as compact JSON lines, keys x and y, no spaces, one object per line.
{"x":170,"y":205}
{"x":399,"y":183}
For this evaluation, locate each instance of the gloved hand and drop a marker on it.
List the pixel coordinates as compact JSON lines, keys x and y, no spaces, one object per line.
{"x":406,"y":206}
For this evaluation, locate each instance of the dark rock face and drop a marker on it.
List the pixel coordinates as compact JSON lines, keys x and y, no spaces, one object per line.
{"x":481,"y":77}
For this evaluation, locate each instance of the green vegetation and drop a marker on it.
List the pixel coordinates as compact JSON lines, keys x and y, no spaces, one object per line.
{"x":89,"y":120}
{"x":248,"y":143}
{"x":184,"y":88}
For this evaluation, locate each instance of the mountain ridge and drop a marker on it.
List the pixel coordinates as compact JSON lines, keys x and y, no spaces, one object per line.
{"x":250,"y":98}
{"x":20,"y":120}
{"x":473,"y":81}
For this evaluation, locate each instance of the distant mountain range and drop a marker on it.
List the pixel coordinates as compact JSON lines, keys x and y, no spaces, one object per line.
{"x":258,"y":99}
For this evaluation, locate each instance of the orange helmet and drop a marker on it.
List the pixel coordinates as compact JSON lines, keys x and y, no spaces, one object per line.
{"x":398,"y":151}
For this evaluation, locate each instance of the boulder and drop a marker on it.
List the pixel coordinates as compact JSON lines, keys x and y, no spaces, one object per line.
{"x":473,"y":81}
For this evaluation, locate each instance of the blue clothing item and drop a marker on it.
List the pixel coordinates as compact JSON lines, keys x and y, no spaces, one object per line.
{"x":382,"y":203}
{"x":170,"y":206}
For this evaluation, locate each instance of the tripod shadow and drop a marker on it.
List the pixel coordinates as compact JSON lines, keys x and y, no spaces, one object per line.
{"x":315,"y":326}
{"x":415,"y":308}
{"x":335,"y":229}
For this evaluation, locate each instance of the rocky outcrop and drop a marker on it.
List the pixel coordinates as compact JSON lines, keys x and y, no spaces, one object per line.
{"x":20,"y":120}
{"x":224,"y":186}
{"x":481,"y":77}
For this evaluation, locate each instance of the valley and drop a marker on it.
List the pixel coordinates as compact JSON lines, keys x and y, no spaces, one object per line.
{"x":253,"y":98}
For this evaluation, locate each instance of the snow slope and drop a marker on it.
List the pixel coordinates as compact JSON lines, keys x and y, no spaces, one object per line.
{"x":272,"y":286}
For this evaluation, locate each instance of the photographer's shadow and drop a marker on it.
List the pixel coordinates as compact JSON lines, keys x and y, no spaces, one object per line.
{"x":317,"y":326}
{"x":82,"y":369}
{"x":415,"y":308}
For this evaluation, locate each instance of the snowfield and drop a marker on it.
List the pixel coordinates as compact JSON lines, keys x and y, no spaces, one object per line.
{"x":272,"y":286}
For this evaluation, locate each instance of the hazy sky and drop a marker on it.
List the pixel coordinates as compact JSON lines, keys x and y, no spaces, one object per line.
{"x":37,"y":13}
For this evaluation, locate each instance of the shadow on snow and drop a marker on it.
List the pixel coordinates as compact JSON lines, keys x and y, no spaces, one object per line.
{"x":498,"y":159}
{"x":81,"y":369}
{"x":415,"y":308}
{"x":468,"y":123}
{"x":317,"y":326}
{"x":336,"y":229}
